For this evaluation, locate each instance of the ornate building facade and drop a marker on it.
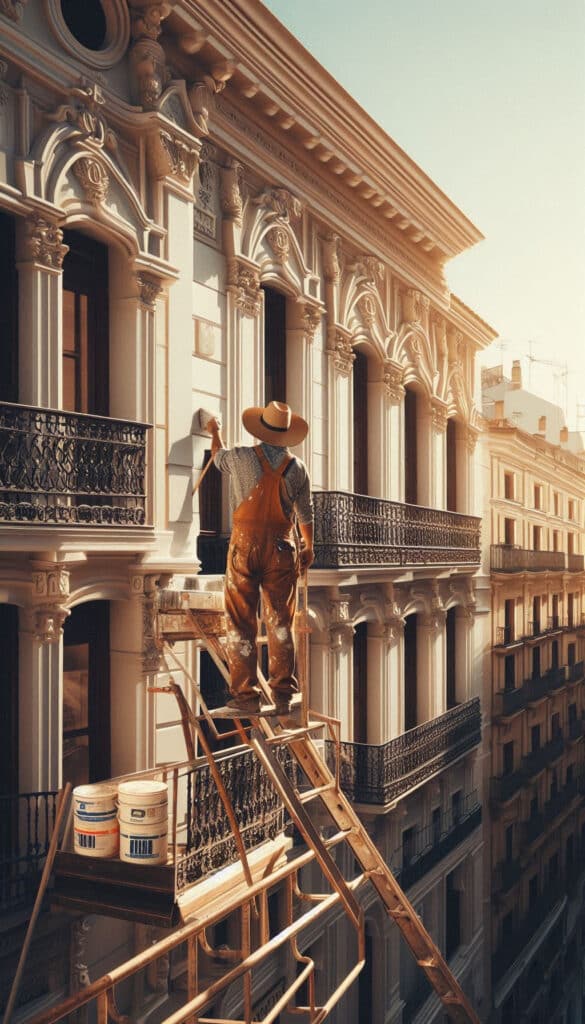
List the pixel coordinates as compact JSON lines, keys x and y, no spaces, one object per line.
{"x":534,"y":543}
{"x":194,"y":214}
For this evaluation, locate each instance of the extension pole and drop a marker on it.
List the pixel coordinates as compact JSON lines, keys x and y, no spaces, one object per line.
{"x":62,"y":806}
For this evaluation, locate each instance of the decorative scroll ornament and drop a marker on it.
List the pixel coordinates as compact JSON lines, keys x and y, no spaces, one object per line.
{"x":231,"y":197}
{"x":44,"y":242}
{"x":180,"y":158}
{"x":331,"y":261}
{"x":311,"y":318}
{"x":201,"y":97}
{"x":341,"y":351}
{"x":279,"y":242}
{"x":84,"y":114}
{"x":439,"y":416}
{"x":50,"y":591}
{"x":244,"y":282}
{"x":414,"y":305}
{"x":281,"y":202}
{"x":12,"y":8}
{"x":150,"y":289}
{"x":393,"y":381}
{"x":147,"y":57}
{"x":367,"y":309}
{"x":93,"y":179}
{"x":370,"y":267}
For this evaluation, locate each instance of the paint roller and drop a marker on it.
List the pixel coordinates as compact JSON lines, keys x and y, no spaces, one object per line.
{"x":200,"y":420}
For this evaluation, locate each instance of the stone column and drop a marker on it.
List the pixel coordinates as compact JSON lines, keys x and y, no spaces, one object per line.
{"x":393,"y":437}
{"x":341,"y":669}
{"x":431,"y":665}
{"x":438,"y":455}
{"x":341,"y":359}
{"x":245,"y":343}
{"x":40,"y":311}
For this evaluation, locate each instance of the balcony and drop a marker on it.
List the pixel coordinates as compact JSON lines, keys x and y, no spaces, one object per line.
{"x":378,"y":774}
{"x":356,"y":530}
{"x":508,"y":702}
{"x":27,"y":825}
{"x":62,"y":468}
{"x":537,"y":760}
{"x":536,"y":920}
{"x":435,"y":841}
{"x":509,"y":558}
{"x":504,"y":787}
{"x":575,"y":563}
{"x":200,"y":839}
{"x":504,"y":636}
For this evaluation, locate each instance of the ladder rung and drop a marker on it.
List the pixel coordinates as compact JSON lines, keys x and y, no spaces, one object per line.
{"x":289,"y":735}
{"x":430,"y":962}
{"x":311,"y":794}
{"x":338,"y":837}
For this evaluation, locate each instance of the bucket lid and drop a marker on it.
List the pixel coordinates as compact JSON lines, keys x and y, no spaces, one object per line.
{"x":94,"y":791}
{"x":143,"y":787}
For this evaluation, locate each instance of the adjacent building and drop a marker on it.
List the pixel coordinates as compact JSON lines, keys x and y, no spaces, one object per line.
{"x":534,"y":549}
{"x":195,"y":214}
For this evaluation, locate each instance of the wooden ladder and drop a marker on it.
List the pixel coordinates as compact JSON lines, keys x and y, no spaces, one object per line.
{"x":323,"y":786}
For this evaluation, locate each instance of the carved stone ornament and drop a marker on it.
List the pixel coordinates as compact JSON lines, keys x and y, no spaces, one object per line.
{"x":181,"y":159}
{"x":48,"y":623}
{"x":146,"y":18}
{"x":281,"y":202}
{"x":93,"y":178}
{"x":231,"y":197}
{"x":412,"y":305}
{"x":439,"y":416}
{"x":311,"y":318}
{"x":244,"y":282}
{"x":370,"y":267}
{"x":279,"y":242}
{"x":12,"y":8}
{"x":393,"y":630}
{"x":341,"y":351}
{"x":367,"y":309}
{"x":472,"y":439}
{"x":340,"y":636}
{"x":201,"y":96}
{"x":331,"y":261}
{"x":84,"y":114}
{"x":79,"y":973}
{"x":440,"y":334}
{"x":150,"y":289}
{"x":148,"y":71}
{"x":393,"y":378}
{"x":44,"y":242}
{"x":151,"y":644}
{"x":50,"y":584}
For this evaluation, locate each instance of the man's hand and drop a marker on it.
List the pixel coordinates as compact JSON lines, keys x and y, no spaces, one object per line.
{"x":306,"y":558}
{"x":213,"y":425}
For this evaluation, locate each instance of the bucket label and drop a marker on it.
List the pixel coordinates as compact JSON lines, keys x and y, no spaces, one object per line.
{"x":137,"y":812}
{"x":140,"y":847}
{"x":85,"y":841}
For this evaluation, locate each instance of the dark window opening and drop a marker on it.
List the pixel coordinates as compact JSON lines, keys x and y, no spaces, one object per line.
{"x":8,"y":311}
{"x":450,"y":636}
{"x":85,"y":326}
{"x":360,"y":683}
{"x":9,"y":691}
{"x":86,"y":21}
{"x":410,"y":448}
{"x":86,"y":693}
{"x":452,"y":466}
{"x":410,"y":673}
{"x":274,"y":346}
{"x":360,"y":424}
{"x":453,"y":916}
{"x":509,"y":672}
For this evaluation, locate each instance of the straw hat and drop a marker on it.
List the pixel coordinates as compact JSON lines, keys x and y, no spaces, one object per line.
{"x":275,"y":424}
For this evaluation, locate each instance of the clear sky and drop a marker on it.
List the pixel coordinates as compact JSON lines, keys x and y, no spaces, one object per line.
{"x":488,"y":97}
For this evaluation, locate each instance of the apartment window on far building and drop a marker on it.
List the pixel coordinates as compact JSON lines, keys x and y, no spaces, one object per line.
{"x":538,"y":496}
{"x":509,"y":620}
{"x":452,"y":915}
{"x":534,"y":738}
{"x":408,"y":846}
{"x":533,"y":808}
{"x":536,"y":538}
{"x":555,"y":725}
{"x":536,"y":662}
{"x":508,"y":758}
{"x":509,"y":672}
{"x":509,"y":841}
{"x":571,"y":543}
{"x":553,"y":867}
{"x":509,"y":490}
{"x":570,"y":773}
{"x":456,"y":806}
{"x":509,"y":531}
{"x":556,"y":540}
{"x":85,"y":326}
{"x":571,"y":654}
{"x":571,"y":509}
{"x":436,"y":825}
{"x":556,"y":503}
{"x":570,"y":611}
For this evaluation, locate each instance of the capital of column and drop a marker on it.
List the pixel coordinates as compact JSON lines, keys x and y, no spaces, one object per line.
{"x":393,"y":381}
{"x":232,"y":204}
{"x":50,"y":593}
{"x":340,"y":350}
{"x":393,"y":630}
{"x":150,"y":288}
{"x":43,"y":243}
{"x":244,"y":284}
{"x":439,"y":416}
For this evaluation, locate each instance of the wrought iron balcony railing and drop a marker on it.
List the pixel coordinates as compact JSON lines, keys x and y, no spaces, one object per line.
{"x":354,"y":529}
{"x":27,"y":826}
{"x":537,"y":760}
{"x":435,"y":841}
{"x":504,"y":787}
{"x":65,"y":468}
{"x":508,"y":701}
{"x":575,"y":672}
{"x":575,"y":563}
{"x":529,"y":926}
{"x":377,"y":774}
{"x":509,"y":558}
{"x":504,"y":636}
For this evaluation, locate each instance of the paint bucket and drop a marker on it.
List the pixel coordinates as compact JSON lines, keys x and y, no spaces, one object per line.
{"x":143,"y":842}
{"x":95,"y":823}
{"x":143,"y":821}
{"x":143,"y":801}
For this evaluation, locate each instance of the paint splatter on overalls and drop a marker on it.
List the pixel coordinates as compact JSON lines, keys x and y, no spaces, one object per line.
{"x":262,"y":557}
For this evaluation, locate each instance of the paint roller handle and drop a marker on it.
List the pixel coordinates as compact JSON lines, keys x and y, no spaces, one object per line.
{"x":199,"y":480}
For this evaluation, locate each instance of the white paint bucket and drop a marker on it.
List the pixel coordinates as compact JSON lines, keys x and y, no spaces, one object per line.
{"x":143,"y":842}
{"x":143,"y":801}
{"x":95,"y":824}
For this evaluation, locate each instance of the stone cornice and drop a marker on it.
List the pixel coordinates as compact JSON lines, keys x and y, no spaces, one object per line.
{"x":472,"y":325}
{"x":270,"y":69}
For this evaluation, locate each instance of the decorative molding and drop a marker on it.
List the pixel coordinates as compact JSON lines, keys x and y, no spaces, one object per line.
{"x":311,"y":318}
{"x":201,"y":97}
{"x":79,"y":973}
{"x":367,"y":308}
{"x":12,"y":8}
{"x":150,"y":289}
{"x":181,"y":159}
{"x":115,"y":43}
{"x":438,"y":416}
{"x":279,"y":242}
{"x":283,"y":203}
{"x":471,"y":439}
{"x":50,"y":591}
{"x":369,"y":267}
{"x":393,"y":381}
{"x":147,"y":57}
{"x":93,"y":178}
{"x":231,"y":195}
{"x":331,"y":257}
{"x":146,"y":17}
{"x":43,"y":242}
{"x":84,"y":114}
{"x":341,"y":351}
{"x":244,"y":283}
{"x":393,"y":630}
{"x":415,"y":305}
